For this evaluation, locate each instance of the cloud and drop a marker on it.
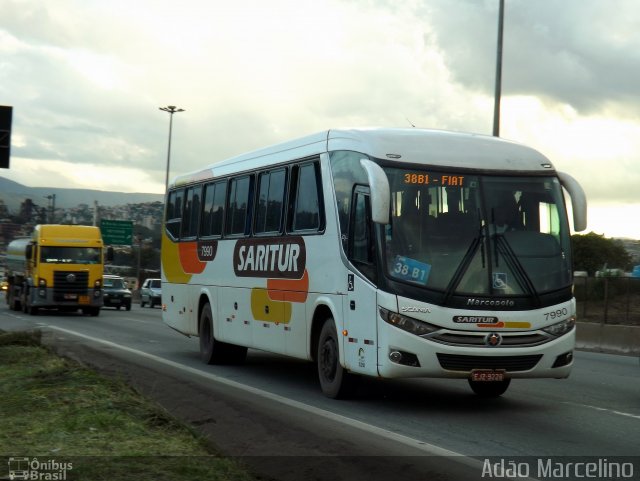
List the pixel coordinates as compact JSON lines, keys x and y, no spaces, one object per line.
{"x":599,"y":151}
{"x":551,"y":49}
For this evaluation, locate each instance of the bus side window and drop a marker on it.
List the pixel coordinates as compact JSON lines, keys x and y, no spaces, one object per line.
{"x":191,"y":213}
{"x":307,"y":205}
{"x":238,"y":206}
{"x":271,"y":190}
{"x":213,"y":209}
{"x":173,"y":219}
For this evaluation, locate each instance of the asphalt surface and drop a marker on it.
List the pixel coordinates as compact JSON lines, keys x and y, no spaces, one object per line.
{"x":271,"y":415}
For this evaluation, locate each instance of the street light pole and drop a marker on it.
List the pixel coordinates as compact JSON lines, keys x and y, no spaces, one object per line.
{"x":172,"y":109}
{"x":52,"y":208}
{"x":498,"y":91}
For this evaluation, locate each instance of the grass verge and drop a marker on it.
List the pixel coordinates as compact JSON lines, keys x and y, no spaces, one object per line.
{"x":53,"y":409}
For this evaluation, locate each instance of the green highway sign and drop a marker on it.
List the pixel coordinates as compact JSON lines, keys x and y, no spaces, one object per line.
{"x":116,"y":232}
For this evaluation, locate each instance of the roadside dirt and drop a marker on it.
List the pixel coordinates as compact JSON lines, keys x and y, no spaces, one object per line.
{"x":274,"y":441}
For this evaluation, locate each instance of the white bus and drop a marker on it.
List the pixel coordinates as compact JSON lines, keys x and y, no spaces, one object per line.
{"x":379,"y":252}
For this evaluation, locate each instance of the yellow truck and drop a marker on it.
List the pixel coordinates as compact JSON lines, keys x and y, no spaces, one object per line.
{"x":58,"y":267}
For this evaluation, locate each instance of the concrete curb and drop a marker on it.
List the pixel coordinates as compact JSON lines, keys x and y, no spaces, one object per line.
{"x":608,"y":338}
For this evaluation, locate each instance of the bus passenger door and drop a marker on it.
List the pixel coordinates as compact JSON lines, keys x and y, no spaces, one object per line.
{"x":361,"y":341}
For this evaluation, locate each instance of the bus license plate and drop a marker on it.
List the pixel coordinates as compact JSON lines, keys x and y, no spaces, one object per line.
{"x":83,"y":300}
{"x":487,"y":375}
{"x":70,"y":297}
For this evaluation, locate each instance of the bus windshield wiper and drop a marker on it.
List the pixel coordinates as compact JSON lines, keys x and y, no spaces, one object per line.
{"x":503,"y":248}
{"x":464,"y":264}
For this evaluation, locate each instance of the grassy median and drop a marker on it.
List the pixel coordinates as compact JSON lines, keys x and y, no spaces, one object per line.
{"x":52,"y":408}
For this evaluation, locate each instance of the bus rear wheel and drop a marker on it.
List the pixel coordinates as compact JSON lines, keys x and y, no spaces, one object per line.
{"x":489,"y":389}
{"x":335,"y":381}
{"x":213,"y":351}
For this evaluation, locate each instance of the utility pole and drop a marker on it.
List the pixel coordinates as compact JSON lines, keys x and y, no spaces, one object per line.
{"x":139,"y":239}
{"x":498,"y":90}
{"x":52,"y":208}
{"x":95,"y":212}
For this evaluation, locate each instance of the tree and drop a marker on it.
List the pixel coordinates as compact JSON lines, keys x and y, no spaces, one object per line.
{"x":592,"y":252}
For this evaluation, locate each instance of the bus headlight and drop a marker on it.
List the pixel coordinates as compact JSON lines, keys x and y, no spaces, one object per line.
{"x":560,"y":328}
{"x":409,"y":324}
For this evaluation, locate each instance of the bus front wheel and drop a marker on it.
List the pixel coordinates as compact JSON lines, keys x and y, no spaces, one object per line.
{"x":489,"y":389}
{"x":336,"y":382}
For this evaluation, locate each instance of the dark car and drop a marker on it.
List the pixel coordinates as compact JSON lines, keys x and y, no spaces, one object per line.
{"x":116,"y":293}
{"x":151,"y":293}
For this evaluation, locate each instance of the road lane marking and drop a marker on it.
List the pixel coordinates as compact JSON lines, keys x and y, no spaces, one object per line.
{"x":612,"y":411}
{"x":427,"y":448}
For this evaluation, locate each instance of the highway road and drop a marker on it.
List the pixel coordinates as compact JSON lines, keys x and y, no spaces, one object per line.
{"x":594,"y":415}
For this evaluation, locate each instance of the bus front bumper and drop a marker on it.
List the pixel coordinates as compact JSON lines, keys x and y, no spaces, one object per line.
{"x":402,"y":354}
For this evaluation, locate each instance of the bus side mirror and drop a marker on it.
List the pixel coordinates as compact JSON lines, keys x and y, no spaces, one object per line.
{"x":578,"y":200}
{"x":109,"y":254}
{"x":28,"y":252}
{"x":380,"y":192}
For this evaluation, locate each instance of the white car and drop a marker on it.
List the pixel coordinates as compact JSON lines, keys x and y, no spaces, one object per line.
{"x":151,"y":293}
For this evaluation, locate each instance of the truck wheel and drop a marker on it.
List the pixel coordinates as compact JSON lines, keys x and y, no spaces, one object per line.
{"x":15,"y":304}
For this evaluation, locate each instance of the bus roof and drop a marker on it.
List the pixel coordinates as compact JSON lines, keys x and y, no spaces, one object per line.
{"x":435,"y":148}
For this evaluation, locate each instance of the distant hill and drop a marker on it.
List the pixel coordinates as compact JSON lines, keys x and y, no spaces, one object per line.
{"x":13,"y":194}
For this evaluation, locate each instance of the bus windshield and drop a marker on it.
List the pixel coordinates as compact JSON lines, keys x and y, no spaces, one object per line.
{"x":477,"y":234}
{"x":70,"y":255}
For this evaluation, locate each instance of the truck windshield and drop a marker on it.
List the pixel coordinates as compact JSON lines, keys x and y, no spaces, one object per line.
{"x":70,"y":255}
{"x":477,"y":234}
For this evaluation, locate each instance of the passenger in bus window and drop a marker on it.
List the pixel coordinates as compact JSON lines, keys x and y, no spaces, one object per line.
{"x":505,"y":215}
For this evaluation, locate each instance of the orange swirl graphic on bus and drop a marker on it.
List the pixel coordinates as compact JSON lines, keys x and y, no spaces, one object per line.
{"x":273,"y":304}
{"x":192,"y":258}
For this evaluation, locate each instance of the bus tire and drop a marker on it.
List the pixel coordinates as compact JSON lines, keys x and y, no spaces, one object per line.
{"x":213,"y":351}
{"x":489,"y":389}
{"x":335,"y":381}
{"x":210,"y":351}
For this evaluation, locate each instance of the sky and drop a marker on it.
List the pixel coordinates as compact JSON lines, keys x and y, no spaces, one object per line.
{"x":86,"y":79}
